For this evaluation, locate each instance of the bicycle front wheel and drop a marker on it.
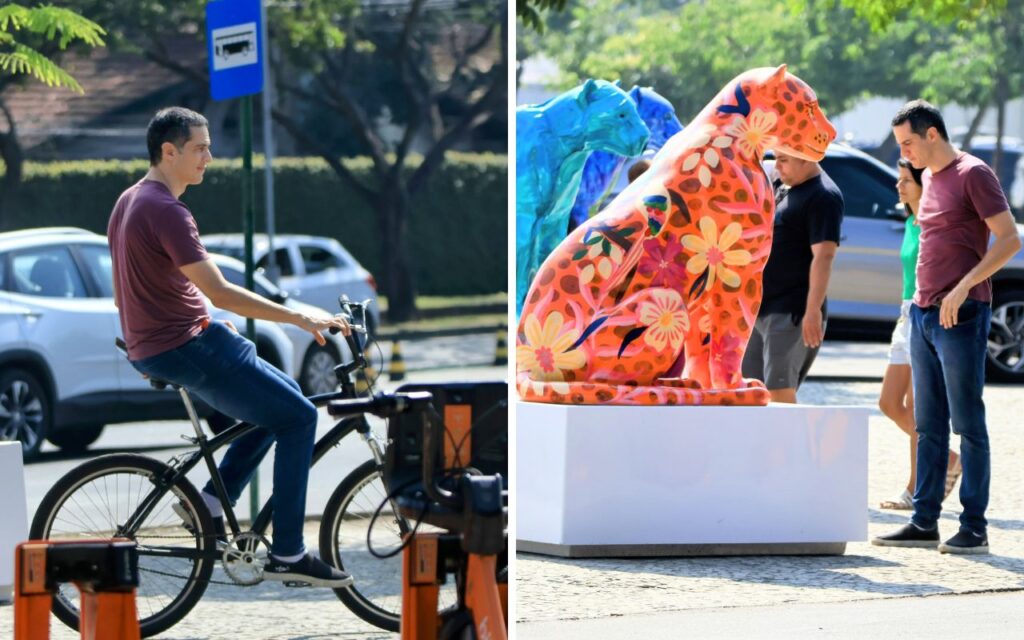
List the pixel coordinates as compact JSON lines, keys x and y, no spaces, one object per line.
{"x":376,"y":592}
{"x":97,"y":499}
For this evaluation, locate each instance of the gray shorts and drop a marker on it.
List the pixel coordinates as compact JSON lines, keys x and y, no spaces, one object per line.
{"x":776,"y":352}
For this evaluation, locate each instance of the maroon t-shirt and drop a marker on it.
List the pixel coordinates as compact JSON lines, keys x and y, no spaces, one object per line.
{"x":151,"y":235}
{"x":954,"y":236}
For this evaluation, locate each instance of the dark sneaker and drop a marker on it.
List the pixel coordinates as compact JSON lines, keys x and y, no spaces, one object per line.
{"x":965,"y":542}
{"x":310,"y":571}
{"x":220,"y":532}
{"x":909,"y":536}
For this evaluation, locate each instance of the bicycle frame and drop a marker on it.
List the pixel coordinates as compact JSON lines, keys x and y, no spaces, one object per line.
{"x":208,"y":446}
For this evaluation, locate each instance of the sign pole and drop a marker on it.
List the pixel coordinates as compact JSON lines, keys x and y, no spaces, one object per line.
{"x":248,"y":220}
{"x":236,"y":47}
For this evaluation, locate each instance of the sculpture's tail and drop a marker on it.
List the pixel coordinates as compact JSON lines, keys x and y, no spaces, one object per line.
{"x":669,"y":394}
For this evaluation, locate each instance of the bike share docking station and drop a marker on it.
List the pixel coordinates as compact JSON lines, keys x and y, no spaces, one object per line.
{"x":106,"y":573}
{"x":607,"y":480}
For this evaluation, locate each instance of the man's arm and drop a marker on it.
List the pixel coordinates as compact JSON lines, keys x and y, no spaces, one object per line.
{"x":224,"y":295}
{"x":821,"y":269}
{"x":1006,"y":244}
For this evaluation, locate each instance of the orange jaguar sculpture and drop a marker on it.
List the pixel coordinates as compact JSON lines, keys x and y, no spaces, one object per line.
{"x":653,"y":300}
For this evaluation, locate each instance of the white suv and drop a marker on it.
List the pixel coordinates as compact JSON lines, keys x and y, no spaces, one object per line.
{"x":61,"y":378}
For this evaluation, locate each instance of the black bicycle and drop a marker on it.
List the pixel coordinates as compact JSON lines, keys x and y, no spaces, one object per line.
{"x":142,"y":499}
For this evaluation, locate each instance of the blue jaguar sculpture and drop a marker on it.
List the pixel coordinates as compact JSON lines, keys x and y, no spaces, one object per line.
{"x":604,"y":167}
{"x":553,"y":141}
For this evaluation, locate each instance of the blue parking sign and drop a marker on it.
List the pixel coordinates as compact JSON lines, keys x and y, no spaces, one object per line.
{"x":234,"y":48}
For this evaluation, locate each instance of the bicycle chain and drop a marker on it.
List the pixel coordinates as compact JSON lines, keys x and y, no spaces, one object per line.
{"x":231,"y":583}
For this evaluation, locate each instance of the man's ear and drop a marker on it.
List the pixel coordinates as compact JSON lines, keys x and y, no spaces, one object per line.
{"x":168,"y":150}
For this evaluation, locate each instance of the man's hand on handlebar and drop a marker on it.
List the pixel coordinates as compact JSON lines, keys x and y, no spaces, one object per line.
{"x":316,"y":325}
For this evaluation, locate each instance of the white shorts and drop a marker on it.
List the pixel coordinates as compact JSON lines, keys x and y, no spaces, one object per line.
{"x":899,"y":348}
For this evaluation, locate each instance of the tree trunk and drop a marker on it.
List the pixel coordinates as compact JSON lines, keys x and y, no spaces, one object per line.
{"x":13,"y":159}
{"x":972,"y":130}
{"x":997,"y":155}
{"x":885,"y":149}
{"x":399,"y":284}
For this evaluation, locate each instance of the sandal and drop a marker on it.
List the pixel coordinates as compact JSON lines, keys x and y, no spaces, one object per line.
{"x":955,"y":470}
{"x":904,"y":502}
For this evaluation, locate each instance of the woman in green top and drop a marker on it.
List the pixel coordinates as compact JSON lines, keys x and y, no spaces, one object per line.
{"x":897,"y":398}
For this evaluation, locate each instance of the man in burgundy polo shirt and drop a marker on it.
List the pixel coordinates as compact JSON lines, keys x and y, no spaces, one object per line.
{"x":962,"y":205}
{"x":160,"y":271}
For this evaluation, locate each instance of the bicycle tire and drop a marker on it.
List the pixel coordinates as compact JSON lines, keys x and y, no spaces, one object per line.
{"x":376,"y":592}
{"x":73,"y":490}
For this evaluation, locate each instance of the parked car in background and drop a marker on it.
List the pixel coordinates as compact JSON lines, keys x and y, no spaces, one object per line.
{"x":313,"y":365}
{"x":866,"y":283}
{"x":61,"y":378}
{"x":313,"y":269}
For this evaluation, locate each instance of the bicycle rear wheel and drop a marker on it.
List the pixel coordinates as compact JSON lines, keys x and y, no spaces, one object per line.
{"x":95,"y":499}
{"x":376,"y":593}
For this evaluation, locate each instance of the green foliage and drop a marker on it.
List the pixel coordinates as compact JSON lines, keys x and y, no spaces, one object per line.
{"x":881,"y":14}
{"x":52,"y":23}
{"x":458,"y":221}
{"x":529,"y":11}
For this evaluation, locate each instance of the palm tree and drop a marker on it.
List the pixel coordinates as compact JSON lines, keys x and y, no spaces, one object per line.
{"x":55,"y":28}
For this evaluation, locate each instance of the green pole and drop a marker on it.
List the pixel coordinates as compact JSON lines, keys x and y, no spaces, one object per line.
{"x":248,"y":216}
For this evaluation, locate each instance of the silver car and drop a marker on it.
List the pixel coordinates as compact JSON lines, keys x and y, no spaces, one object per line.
{"x":313,"y":269}
{"x":866,"y":283}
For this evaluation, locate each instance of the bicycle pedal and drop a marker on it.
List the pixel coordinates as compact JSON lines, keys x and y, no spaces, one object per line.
{"x":296,"y":583}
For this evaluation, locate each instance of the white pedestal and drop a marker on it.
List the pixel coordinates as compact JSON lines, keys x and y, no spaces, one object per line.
{"x":13,"y":513}
{"x":621,"y":481}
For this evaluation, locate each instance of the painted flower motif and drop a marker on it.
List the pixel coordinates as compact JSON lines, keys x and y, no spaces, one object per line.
{"x":546,"y":352}
{"x":602,"y":265}
{"x":666,"y":319}
{"x":664,"y":261}
{"x":712,"y":252}
{"x":727,"y":351}
{"x":753,"y":133}
{"x":705,"y":156}
{"x":705,"y":323}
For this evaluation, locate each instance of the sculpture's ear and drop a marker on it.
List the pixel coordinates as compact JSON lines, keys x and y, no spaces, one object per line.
{"x":618,"y":83}
{"x":637,"y":94}
{"x":780,"y":74}
{"x":588,"y":88}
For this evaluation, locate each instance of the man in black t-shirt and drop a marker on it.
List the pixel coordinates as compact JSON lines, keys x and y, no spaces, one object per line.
{"x":791,"y":322}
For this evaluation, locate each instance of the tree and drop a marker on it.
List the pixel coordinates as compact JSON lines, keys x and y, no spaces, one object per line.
{"x":30,"y":40}
{"x":529,"y":11}
{"x":880,"y":14}
{"x":689,"y":53}
{"x":432,"y":73}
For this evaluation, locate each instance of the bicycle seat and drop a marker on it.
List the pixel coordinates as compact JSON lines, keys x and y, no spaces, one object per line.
{"x":156,"y":383}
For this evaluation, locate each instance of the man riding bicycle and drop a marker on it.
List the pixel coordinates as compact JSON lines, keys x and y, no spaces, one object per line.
{"x":160,"y":271}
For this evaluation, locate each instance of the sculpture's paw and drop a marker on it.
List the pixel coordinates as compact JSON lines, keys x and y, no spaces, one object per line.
{"x":679,"y":383}
{"x":753,"y":382}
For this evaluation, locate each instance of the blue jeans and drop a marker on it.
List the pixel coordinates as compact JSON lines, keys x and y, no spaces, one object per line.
{"x":221,"y":367}
{"x":948,"y":368}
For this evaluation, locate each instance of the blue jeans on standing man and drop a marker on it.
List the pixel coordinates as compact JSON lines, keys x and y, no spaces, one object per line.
{"x":948,"y":368}
{"x":222,"y":368}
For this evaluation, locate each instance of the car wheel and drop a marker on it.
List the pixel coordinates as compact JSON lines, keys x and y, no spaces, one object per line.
{"x":77,"y":438}
{"x":317,"y":373}
{"x":1005,"y":362}
{"x":25,"y":411}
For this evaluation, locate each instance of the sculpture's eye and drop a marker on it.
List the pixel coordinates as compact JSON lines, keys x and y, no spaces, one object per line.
{"x":622,"y":115}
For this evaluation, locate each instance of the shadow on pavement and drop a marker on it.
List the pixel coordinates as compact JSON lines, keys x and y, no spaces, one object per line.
{"x":818,"y":572}
{"x":58,"y":456}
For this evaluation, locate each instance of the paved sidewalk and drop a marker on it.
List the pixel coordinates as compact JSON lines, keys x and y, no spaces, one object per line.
{"x":551,"y":590}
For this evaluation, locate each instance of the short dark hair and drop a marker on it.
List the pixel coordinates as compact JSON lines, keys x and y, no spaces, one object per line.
{"x":915,"y":173}
{"x":637,"y":168}
{"x":174,"y":125}
{"x":921,"y":115}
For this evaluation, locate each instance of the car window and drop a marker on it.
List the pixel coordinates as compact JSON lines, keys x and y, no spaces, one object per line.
{"x":867,"y":191}
{"x":3,"y":271}
{"x":283,"y":260}
{"x":48,"y":272}
{"x":98,"y":264}
{"x":318,"y":259}
{"x":234,"y":276}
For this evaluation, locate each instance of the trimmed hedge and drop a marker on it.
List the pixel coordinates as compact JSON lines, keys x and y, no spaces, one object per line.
{"x":458,"y":227}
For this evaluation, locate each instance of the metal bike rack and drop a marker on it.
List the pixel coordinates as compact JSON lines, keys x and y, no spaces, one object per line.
{"x":106,"y":573}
